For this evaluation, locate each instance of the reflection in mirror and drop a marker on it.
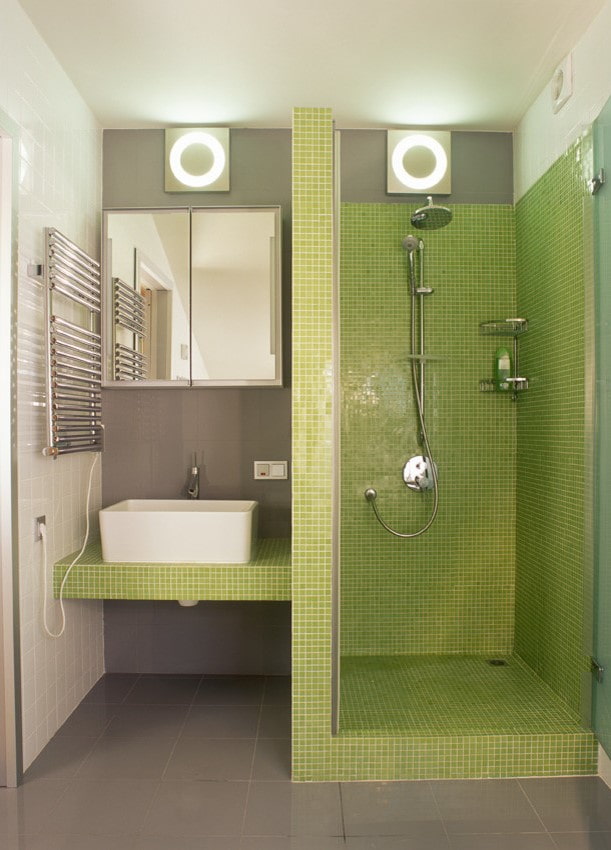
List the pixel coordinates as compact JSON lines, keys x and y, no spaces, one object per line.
{"x":148,"y":256}
{"x":235,"y":258}
{"x":193,"y":296}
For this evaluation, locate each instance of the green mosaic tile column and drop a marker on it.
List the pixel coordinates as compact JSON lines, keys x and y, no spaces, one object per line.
{"x":551,"y":439}
{"x":312,"y":438}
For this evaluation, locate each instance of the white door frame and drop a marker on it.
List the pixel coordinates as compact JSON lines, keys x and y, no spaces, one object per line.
{"x":11,"y":761}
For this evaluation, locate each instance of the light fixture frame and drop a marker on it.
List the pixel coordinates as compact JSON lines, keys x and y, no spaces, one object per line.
{"x":399,"y":181}
{"x":178,"y":140}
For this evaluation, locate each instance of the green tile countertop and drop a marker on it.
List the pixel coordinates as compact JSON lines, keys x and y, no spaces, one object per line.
{"x":266,"y":577}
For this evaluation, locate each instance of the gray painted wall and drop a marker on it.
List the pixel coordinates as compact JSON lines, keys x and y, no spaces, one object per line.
{"x":482,"y":169}
{"x":214,"y":637}
{"x":152,"y":433}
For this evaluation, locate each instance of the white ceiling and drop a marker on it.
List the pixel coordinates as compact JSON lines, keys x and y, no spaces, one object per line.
{"x":470,"y":64}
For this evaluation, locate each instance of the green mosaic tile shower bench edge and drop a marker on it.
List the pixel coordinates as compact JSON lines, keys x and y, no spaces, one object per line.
{"x":354,"y":757}
{"x":266,"y":577}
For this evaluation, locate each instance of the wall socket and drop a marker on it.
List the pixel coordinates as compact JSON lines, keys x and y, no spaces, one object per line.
{"x":40,"y":520}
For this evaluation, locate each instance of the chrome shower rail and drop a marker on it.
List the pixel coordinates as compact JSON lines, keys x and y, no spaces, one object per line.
{"x":74,"y":352}
{"x":419,"y":472}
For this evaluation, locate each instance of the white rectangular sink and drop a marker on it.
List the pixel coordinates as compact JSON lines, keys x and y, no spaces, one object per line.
{"x":177,"y":531}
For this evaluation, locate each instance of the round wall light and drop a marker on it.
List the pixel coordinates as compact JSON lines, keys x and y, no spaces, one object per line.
{"x":418,"y":161}
{"x":208,"y":148}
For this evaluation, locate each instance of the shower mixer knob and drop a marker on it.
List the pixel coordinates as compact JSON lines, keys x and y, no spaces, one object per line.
{"x":418,"y":475}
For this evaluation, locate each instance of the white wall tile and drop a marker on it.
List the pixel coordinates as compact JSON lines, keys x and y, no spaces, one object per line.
{"x":60,"y":186}
{"x":542,"y":137}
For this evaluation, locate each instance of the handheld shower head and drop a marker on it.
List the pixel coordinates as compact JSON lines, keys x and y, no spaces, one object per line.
{"x":431,"y":217}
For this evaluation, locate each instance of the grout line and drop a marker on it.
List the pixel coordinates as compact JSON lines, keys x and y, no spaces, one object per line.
{"x":181,"y":729}
{"x":163,"y":773}
{"x":137,"y":679}
{"x":252,"y":763}
{"x":341,"y":811}
{"x":533,"y":807}
{"x":441,"y":817}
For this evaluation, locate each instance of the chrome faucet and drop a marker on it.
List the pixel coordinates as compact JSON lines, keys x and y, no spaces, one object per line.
{"x":193,"y":485}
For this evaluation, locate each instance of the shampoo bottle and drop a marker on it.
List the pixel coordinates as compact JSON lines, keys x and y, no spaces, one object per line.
{"x":502,"y":368}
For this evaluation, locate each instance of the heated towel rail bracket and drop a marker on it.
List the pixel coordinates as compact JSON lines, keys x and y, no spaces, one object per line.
{"x":73,"y":348}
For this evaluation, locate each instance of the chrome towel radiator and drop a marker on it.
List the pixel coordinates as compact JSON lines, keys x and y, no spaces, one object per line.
{"x":129,"y":313}
{"x":73,"y":348}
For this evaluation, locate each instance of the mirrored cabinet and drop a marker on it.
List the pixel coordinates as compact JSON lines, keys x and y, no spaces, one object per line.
{"x":192,"y":296}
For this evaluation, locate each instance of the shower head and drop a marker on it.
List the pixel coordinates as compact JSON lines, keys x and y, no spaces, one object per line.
{"x":431,"y":217}
{"x":411,"y":243}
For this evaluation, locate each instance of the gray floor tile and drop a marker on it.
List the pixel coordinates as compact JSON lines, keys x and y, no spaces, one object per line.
{"x":148,"y":721}
{"x":407,"y":809}
{"x":277,"y":690}
{"x":287,"y":842}
{"x":101,"y":808}
{"x":161,"y":842}
{"x":211,"y":758}
{"x":89,"y":720}
{"x":222,"y":721}
{"x":398,"y":842}
{"x":61,"y":758}
{"x":163,"y":690}
{"x":127,"y":758}
{"x":275,"y":722}
{"x":522,"y":841}
{"x":485,"y":806}
{"x":14,"y":842}
{"x":230,"y":690}
{"x":301,"y":809}
{"x":77,"y":842}
{"x":197,"y":808}
{"x":272,"y":759}
{"x":26,"y":809}
{"x":582,"y":840}
{"x":112,"y":688}
{"x":571,"y":804}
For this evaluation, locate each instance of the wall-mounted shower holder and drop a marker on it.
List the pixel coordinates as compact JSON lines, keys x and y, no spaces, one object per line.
{"x":517,"y":383}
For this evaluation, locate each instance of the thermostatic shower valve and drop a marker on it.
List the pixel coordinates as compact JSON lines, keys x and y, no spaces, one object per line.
{"x":418,"y":475}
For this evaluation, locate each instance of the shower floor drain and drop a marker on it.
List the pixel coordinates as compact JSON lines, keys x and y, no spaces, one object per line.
{"x":497,"y":662}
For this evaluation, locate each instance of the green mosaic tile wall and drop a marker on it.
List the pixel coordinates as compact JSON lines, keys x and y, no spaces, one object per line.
{"x":551,"y":439}
{"x":318,"y":755}
{"x":452,"y":589}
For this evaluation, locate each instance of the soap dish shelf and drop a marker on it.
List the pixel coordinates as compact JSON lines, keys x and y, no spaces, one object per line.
{"x":513,"y":328}
{"x":504,"y":327}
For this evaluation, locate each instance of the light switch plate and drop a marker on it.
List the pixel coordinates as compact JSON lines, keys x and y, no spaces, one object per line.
{"x":275,"y":469}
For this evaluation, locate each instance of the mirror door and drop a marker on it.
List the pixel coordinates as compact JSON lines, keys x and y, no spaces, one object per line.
{"x":193,"y":296}
{"x":234,"y":267}
{"x":147,"y":307}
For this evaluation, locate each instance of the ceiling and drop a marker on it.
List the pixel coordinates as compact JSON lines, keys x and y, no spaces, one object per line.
{"x":460,"y":64}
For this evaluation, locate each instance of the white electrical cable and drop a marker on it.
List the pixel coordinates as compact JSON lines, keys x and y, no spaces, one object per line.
{"x":43,"y":533}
